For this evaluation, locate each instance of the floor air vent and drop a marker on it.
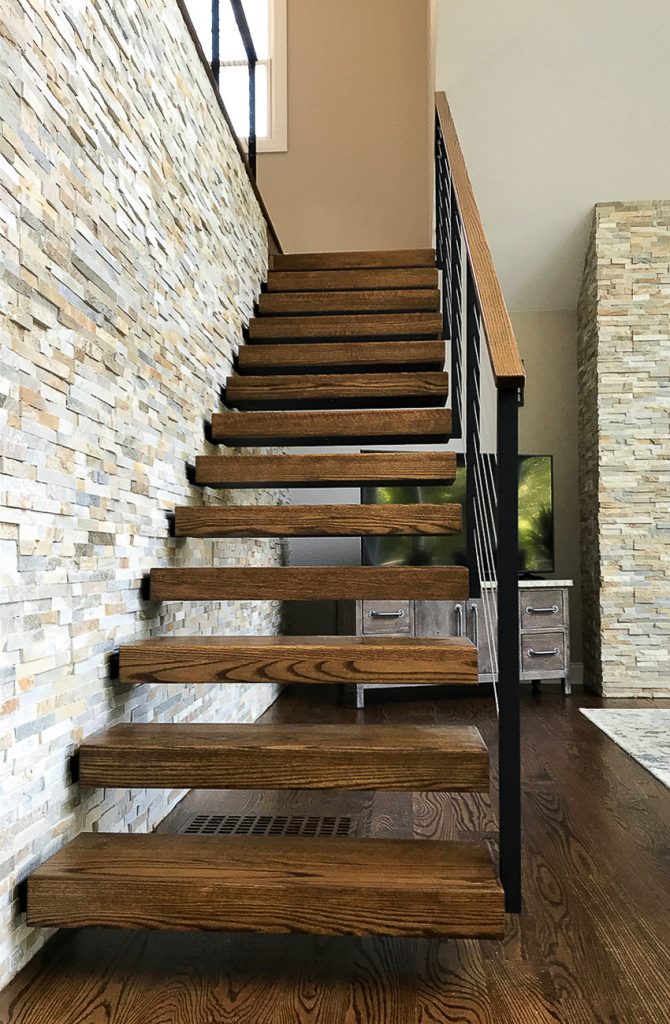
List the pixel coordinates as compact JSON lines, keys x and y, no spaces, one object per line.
{"x":267,"y":825}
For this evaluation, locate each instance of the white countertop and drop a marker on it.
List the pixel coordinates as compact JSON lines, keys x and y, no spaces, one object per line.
{"x":534,"y":584}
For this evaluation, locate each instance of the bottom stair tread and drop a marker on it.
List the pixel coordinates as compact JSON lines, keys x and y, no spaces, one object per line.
{"x":314,"y":886}
{"x":303,"y":756}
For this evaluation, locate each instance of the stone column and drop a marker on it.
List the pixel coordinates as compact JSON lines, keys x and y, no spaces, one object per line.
{"x":624,"y":409}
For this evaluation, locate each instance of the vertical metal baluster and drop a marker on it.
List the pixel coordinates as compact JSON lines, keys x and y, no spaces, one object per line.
{"x":252,"y":116}
{"x":439,"y":245}
{"x":509,"y":733}
{"x":456,"y":249}
{"x":472,"y":419}
{"x":216,"y":62}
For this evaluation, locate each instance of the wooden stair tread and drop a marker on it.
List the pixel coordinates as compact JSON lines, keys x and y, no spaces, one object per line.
{"x":349,"y":301}
{"x":317,"y":520}
{"x":368,"y":426}
{"x":346,"y":325}
{"x":357,"y":280}
{"x":310,"y":583}
{"x":368,"y":259}
{"x":362,"y":389}
{"x":268,"y":884}
{"x":300,"y":659}
{"x":335,"y":356}
{"x":305,"y":756}
{"x":359,"y":470}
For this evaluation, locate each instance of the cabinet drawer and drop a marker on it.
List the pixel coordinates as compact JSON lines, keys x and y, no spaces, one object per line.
{"x":387,"y":617}
{"x":541,"y":609}
{"x":543,"y":652}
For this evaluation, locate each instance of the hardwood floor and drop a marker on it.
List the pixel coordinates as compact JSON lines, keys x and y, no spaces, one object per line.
{"x":589,"y":948}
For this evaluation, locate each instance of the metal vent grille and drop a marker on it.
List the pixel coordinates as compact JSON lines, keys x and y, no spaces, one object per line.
{"x":267,"y":825}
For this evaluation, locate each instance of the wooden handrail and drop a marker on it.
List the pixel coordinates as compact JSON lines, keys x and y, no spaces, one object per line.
{"x":275,"y":245}
{"x":503,"y":350}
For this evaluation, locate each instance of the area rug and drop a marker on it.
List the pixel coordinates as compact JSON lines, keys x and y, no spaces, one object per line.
{"x":644,"y":733}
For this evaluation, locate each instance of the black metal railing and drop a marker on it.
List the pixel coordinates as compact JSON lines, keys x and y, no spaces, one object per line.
{"x":486,"y":387}
{"x":251,"y":61}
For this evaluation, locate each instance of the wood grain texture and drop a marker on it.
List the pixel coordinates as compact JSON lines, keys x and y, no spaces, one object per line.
{"x":357,"y":280}
{"x":349,"y":301}
{"x":340,"y":389}
{"x":369,"y":426}
{"x":350,"y":260}
{"x":308,"y":756}
{"x":309,"y":583}
{"x":589,"y":948}
{"x":352,"y":325}
{"x":317,"y":520}
{"x":318,"y":660}
{"x":502,"y":346}
{"x":314,"y":886}
{"x":361,"y":469}
{"x":336,"y":356}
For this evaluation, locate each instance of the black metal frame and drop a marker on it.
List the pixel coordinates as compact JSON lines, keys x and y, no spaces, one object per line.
{"x":252,"y":61}
{"x":491,"y":498}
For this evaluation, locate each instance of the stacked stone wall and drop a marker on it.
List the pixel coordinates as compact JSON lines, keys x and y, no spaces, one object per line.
{"x":624,"y":380}
{"x":132,"y":250}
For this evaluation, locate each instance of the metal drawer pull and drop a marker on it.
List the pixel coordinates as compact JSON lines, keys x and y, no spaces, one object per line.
{"x":543,"y":654}
{"x":541,"y":611}
{"x":400,"y":614}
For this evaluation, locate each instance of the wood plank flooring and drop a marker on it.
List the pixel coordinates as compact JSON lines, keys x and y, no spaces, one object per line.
{"x":589,"y":948}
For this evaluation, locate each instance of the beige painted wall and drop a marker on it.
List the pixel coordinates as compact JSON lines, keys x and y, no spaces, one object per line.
{"x":548,"y":425}
{"x":558,"y":106}
{"x":357,"y":173}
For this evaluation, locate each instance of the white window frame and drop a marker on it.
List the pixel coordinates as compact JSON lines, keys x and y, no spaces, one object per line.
{"x":276,"y":141}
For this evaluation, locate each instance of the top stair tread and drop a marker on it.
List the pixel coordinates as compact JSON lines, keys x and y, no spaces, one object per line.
{"x":364,"y":259}
{"x":356,"y":280}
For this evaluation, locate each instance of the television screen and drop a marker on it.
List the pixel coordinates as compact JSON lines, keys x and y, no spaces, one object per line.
{"x":536,"y":519}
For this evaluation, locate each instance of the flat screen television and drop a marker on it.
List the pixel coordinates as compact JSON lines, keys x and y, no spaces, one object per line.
{"x":536,"y":520}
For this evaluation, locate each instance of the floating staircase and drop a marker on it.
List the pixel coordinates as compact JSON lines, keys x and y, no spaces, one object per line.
{"x":338,"y":337}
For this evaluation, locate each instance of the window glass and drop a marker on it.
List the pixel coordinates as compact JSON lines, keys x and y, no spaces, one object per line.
{"x":267,"y":24}
{"x":234,"y":85}
{"x":230,"y":42}
{"x":258,"y":17}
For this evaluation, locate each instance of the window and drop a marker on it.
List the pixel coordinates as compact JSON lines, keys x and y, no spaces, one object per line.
{"x":267,"y":23}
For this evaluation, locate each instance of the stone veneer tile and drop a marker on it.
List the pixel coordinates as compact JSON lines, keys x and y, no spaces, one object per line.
{"x":624,"y":405}
{"x":132,"y":249}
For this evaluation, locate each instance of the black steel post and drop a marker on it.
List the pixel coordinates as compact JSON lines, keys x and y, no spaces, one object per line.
{"x":439,"y":223}
{"x":252,"y":116}
{"x":509,"y":731}
{"x":216,"y":62}
{"x":472,"y":414}
{"x":455,"y":313}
